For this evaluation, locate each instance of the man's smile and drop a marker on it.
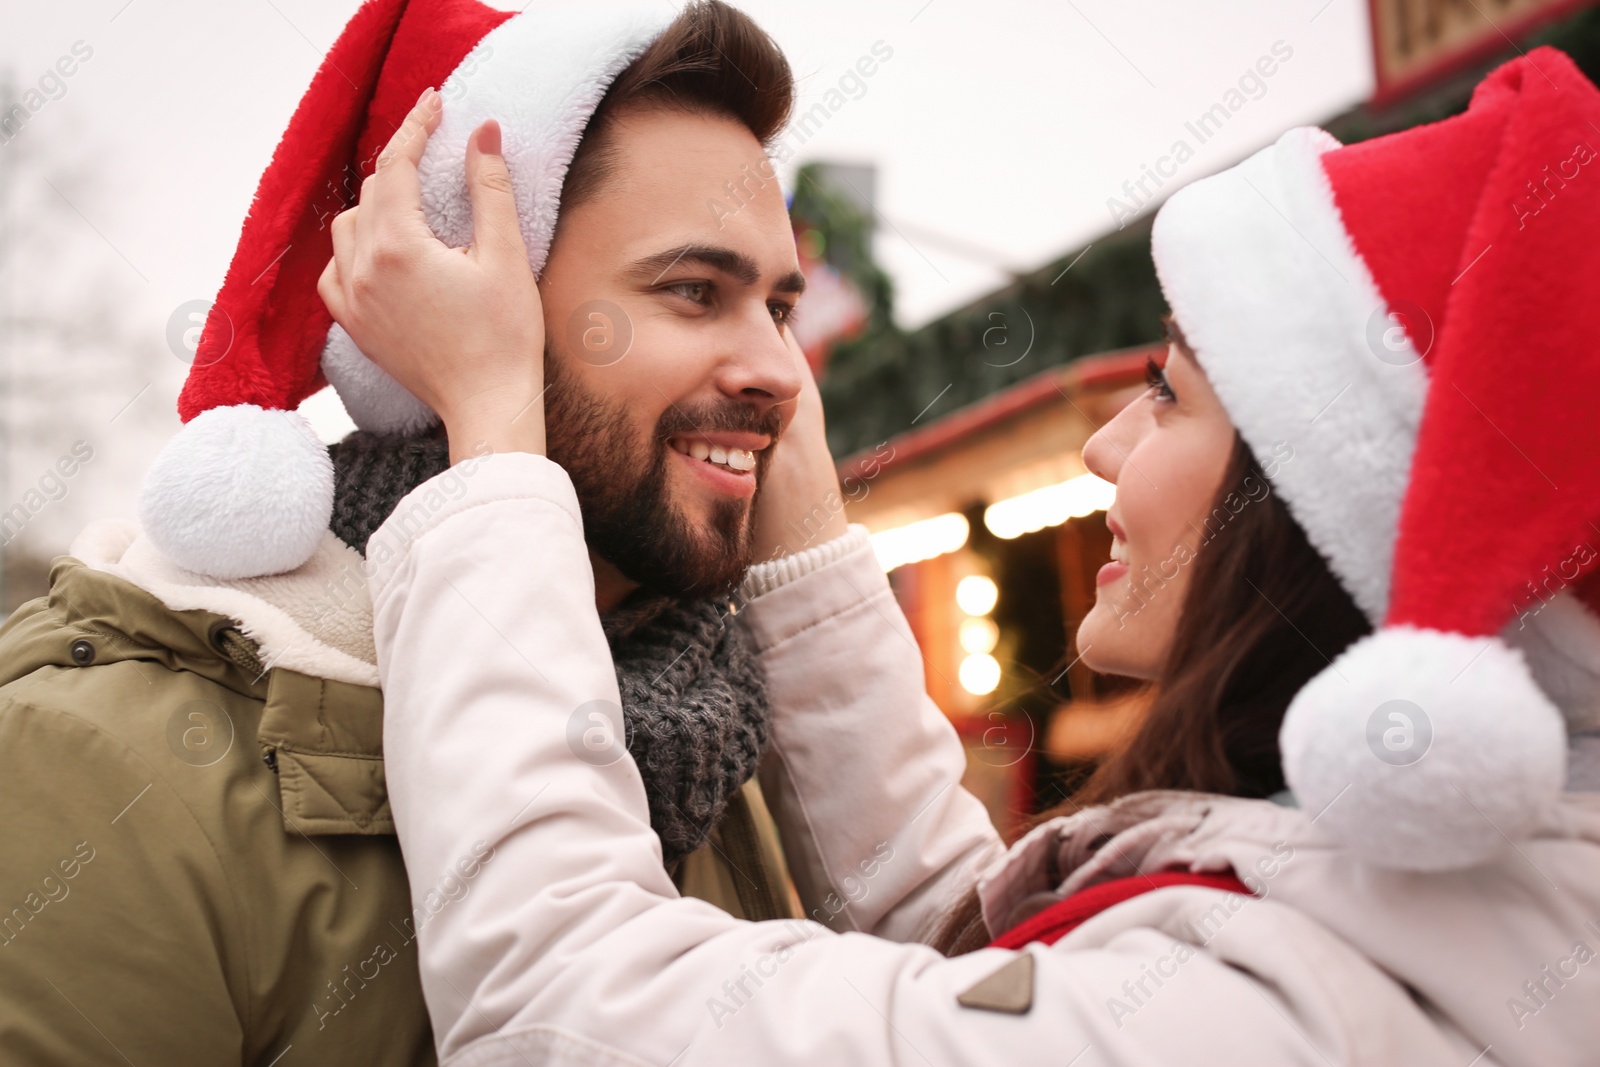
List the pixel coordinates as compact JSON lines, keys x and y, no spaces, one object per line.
{"x":726,"y":460}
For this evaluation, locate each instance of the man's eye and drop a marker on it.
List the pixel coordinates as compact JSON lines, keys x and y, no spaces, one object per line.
{"x":782,"y":314}
{"x":697,"y":292}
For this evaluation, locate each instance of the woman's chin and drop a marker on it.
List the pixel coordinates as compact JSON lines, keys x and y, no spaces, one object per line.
{"x":1107,"y":648}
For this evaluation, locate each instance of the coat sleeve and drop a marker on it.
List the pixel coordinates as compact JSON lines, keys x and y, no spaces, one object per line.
{"x":564,"y":941}
{"x":113,"y":907}
{"x":864,"y":775}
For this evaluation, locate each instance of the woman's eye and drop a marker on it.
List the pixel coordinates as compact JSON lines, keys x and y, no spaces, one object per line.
{"x":1156,"y":379}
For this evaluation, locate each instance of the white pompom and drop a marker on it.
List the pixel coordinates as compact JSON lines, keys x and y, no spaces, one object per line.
{"x":376,"y":402}
{"x":240,"y":492}
{"x":1421,"y":750}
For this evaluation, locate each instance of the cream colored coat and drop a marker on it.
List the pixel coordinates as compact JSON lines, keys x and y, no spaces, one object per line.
{"x":571,"y":945}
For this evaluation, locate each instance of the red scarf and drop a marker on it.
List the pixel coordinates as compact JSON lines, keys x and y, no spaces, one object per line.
{"x":1058,"y":920}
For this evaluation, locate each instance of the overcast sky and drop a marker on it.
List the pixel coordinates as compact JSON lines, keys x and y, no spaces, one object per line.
{"x":1000,"y":129}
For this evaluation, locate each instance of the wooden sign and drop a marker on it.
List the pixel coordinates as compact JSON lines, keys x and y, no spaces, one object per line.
{"x":1418,"y":42}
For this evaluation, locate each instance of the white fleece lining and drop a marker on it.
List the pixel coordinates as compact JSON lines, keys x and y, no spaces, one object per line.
{"x":541,"y":74}
{"x":1272,"y":296}
{"x":316,"y":619}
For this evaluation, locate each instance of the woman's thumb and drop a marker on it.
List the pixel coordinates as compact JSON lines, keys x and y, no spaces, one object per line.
{"x":495,"y":231}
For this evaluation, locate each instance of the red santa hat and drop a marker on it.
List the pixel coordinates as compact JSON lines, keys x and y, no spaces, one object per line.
{"x":1412,"y":316}
{"x":245,"y":489}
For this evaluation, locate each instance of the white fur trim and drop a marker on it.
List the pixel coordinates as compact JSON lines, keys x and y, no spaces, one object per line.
{"x":316,"y":619}
{"x":1273,"y":297}
{"x":541,"y":74}
{"x":1422,"y":750}
{"x":374,"y":400}
{"x":239,"y":492}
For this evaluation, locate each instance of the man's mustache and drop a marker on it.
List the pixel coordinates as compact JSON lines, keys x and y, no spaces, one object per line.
{"x":732,"y":417}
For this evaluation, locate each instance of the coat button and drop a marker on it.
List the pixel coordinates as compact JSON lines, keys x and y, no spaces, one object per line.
{"x":82,"y":652}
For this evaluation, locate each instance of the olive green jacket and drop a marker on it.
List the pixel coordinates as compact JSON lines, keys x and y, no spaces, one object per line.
{"x":200,"y":864}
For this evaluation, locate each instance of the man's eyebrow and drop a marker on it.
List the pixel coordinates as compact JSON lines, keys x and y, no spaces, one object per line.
{"x":733,"y":263}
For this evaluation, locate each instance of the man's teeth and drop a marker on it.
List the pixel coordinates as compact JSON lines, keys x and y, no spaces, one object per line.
{"x":738,"y":459}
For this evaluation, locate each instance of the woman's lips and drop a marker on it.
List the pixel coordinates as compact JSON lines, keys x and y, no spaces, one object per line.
{"x":1117,"y":568}
{"x":1110,"y":573}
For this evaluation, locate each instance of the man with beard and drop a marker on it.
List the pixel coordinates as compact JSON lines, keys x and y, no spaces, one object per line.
{"x":200,"y":863}
{"x":629,"y":506}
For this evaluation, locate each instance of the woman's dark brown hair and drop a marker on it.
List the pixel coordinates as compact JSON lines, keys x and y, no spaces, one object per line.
{"x":712,"y":59}
{"x":1261,"y":616}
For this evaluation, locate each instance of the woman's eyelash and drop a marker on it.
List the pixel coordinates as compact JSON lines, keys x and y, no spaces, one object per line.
{"x":1156,"y":378}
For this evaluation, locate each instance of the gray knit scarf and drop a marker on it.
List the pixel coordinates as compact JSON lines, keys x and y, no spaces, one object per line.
{"x":694,"y":699}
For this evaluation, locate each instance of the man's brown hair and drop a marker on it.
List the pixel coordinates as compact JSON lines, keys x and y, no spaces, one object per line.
{"x":712,"y":59}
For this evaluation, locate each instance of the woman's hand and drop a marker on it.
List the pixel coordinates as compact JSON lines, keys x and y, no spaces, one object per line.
{"x":800,"y":503}
{"x":462,"y":328}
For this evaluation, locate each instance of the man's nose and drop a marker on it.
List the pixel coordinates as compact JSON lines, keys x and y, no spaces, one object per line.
{"x":759,"y":367}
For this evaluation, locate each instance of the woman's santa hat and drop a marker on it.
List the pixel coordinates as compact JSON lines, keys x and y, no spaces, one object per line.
{"x":1414,"y":317}
{"x":245,"y":489}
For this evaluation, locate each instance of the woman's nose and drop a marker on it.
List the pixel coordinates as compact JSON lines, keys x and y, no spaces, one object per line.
{"x":1100,"y":457}
{"x":1107,"y":449}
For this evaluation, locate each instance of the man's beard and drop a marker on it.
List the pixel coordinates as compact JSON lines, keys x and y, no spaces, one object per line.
{"x":628,"y":520}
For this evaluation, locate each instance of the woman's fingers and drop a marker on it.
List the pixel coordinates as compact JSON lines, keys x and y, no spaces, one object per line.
{"x":801,"y":478}
{"x":346,"y":226}
{"x":462,"y":331}
{"x":392,"y":196}
{"x":496,"y":235}
{"x":393,"y":192}
{"x":329,"y":288}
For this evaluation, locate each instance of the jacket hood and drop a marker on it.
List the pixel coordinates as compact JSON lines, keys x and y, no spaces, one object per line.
{"x":89,"y":617}
{"x":315,"y":619}
{"x":322,"y":735}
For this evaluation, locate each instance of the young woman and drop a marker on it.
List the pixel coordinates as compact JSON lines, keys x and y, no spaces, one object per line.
{"x":1367,"y":421}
